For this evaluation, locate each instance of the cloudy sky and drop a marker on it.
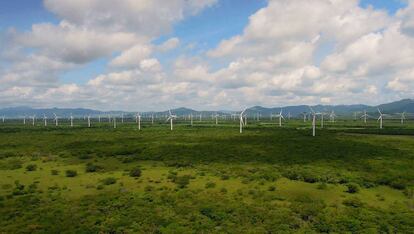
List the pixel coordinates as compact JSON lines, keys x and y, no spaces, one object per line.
{"x":143,"y":55}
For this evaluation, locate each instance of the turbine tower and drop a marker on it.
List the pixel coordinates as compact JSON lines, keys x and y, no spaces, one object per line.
{"x":402,"y":117}
{"x":280,"y":116}
{"x":170,"y":118}
{"x":56,"y":120}
{"x":242,"y":123}
{"x":365,"y":116}
{"x":138,"y":116}
{"x":380,"y":118}
{"x":45,"y":119}
{"x":71,"y":120}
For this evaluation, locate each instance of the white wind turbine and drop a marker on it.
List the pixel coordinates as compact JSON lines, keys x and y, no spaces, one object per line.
{"x":33,"y":120}
{"x":280,"y":116}
{"x":380,"y":118}
{"x":24,"y":120}
{"x":152,"y":118}
{"x":138,"y":116}
{"x":122,"y":118}
{"x":56,"y":119}
{"x":332,"y":116}
{"x":3,"y":117}
{"x":45,"y":119}
{"x":365,"y":116}
{"x":99,"y":118}
{"x":402,"y":117}
{"x":216,"y":117}
{"x":314,"y":114}
{"x":191,"y":119}
{"x":304,"y":116}
{"x":170,"y":118}
{"x":89,"y":121}
{"x":114,"y":118}
{"x":242,"y":123}
{"x":71,"y":120}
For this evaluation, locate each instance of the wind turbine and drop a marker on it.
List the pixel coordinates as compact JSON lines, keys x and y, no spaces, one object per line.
{"x":216,"y":116}
{"x":332,"y":116}
{"x":3,"y":118}
{"x":314,"y":114}
{"x":365,"y":116}
{"x":402,"y":117}
{"x":380,"y":117}
{"x":191,"y":119}
{"x":122,"y":118}
{"x":33,"y":120}
{"x":170,"y":118}
{"x":304,"y":116}
{"x":56,"y":120}
{"x":138,"y":116}
{"x":280,"y":116}
{"x":71,"y":120}
{"x":99,"y":118}
{"x":89,"y":121}
{"x":45,"y":119}
{"x":114,"y":118}
{"x":24,"y":120}
{"x":242,"y":123}
{"x":152,"y":118}
{"x":322,"y":120}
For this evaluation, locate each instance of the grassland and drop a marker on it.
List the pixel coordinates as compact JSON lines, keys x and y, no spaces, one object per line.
{"x":204,"y":178}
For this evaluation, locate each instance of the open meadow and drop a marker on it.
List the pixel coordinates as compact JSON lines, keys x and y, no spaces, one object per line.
{"x":207,"y":178}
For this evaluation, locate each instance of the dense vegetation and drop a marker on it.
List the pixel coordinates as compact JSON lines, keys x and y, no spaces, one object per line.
{"x":207,"y":178}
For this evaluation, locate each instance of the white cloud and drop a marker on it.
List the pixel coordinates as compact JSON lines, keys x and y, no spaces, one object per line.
{"x":290,"y":52}
{"x":132,"y":56}
{"x":170,"y":44}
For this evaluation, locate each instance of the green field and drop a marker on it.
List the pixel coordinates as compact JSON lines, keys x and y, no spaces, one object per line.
{"x":350,"y":178}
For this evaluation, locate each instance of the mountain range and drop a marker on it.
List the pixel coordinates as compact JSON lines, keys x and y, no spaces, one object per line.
{"x":405,"y":105}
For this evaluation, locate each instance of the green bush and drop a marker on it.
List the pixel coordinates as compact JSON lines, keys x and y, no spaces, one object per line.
{"x":109,"y":181}
{"x":31,"y":167}
{"x":182,"y":181}
{"x":54,"y":172}
{"x":271,"y":188}
{"x":90,"y":167}
{"x":353,"y":202}
{"x":136,"y":172}
{"x":352,"y":188}
{"x":210,"y":185}
{"x":71,"y":173}
{"x":322,"y":186}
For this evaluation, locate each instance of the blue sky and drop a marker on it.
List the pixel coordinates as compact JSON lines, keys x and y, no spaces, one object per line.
{"x":200,"y":47}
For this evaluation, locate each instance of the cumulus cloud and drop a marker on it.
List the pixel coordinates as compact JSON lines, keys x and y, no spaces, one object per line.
{"x":290,"y":52}
{"x":170,"y":44}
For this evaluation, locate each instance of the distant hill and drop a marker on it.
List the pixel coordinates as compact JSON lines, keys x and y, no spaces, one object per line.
{"x":342,"y":110}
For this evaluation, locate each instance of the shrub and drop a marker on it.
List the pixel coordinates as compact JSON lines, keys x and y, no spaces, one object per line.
{"x":352,"y":188}
{"x":353,"y":202}
{"x":210,"y":185}
{"x":182,"y":181}
{"x":136,"y":172}
{"x":99,"y":187}
{"x":225,"y":177}
{"x":109,"y":181}
{"x":271,"y":188}
{"x":54,"y":172}
{"x":90,"y":167}
{"x":322,"y":186}
{"x":71,"y":173}
{"x":31,"y":167}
